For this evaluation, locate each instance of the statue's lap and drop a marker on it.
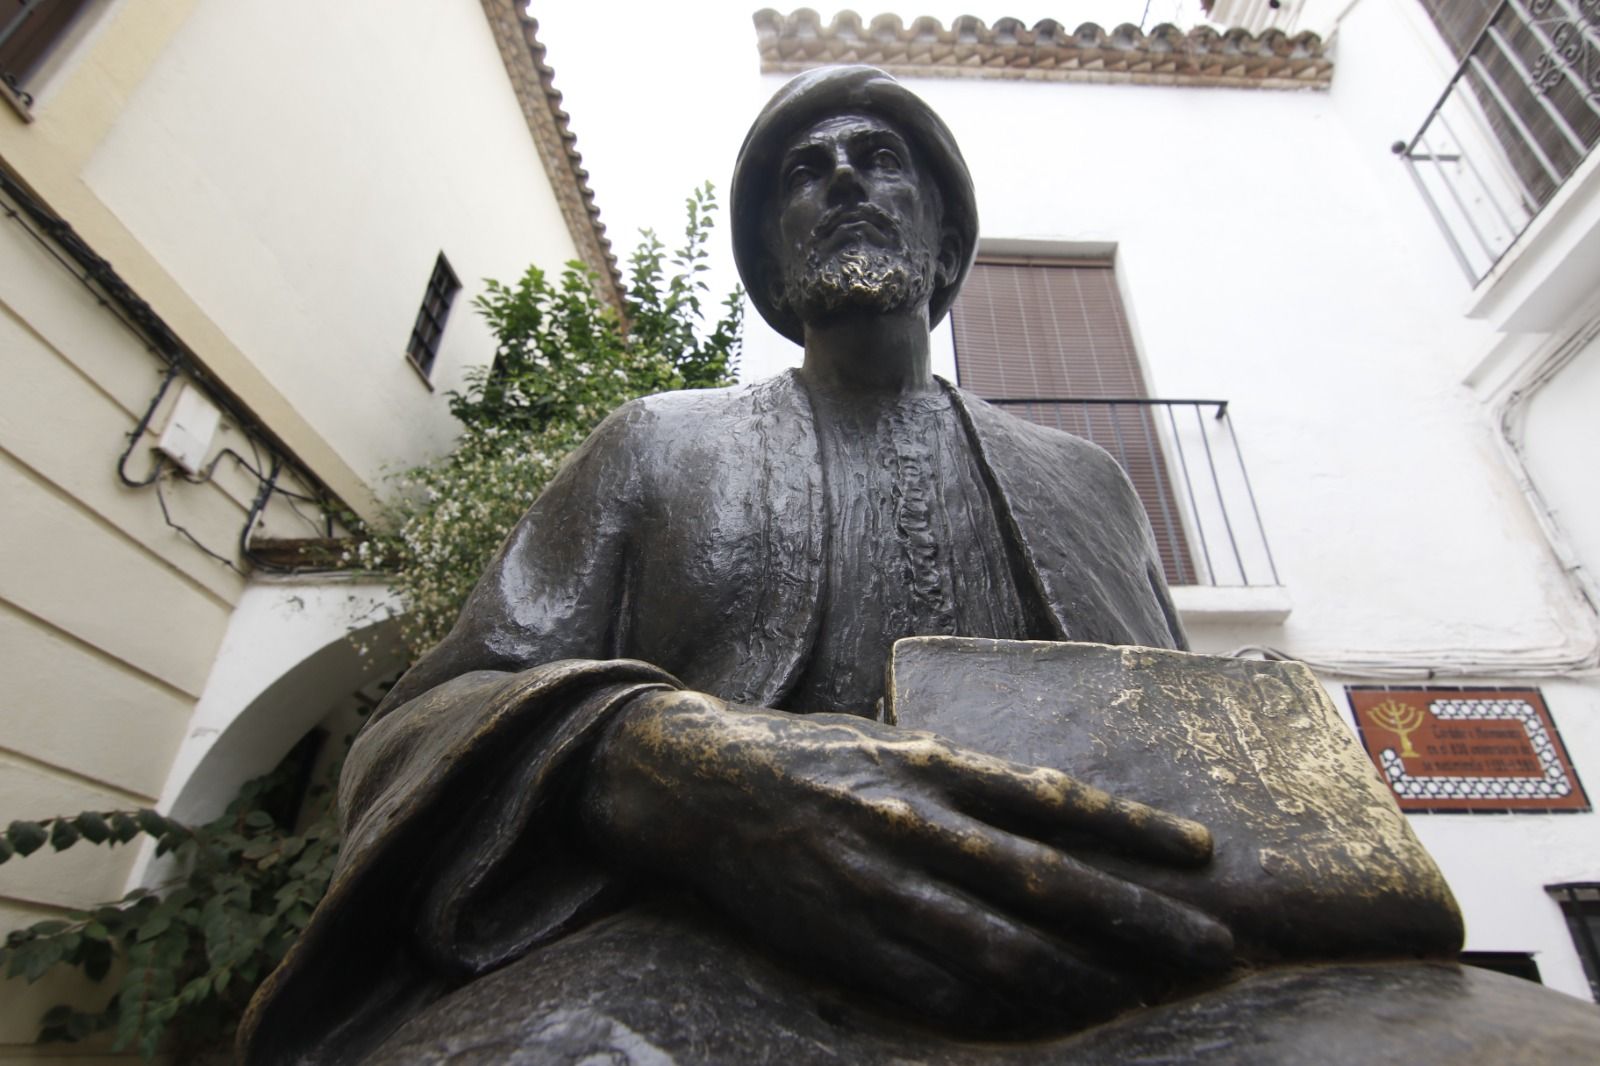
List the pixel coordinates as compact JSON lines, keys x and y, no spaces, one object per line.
{"x":665,"y":985}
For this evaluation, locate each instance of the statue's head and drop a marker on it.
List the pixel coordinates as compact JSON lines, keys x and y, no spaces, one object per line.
{"x":850,"y":196}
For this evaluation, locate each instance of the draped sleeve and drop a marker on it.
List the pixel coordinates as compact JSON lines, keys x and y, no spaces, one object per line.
{"x":458,"y":852}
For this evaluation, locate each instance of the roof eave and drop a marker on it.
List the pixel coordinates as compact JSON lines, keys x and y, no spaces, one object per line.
{"x":1047,"y":51}
{"x":516,"y":34}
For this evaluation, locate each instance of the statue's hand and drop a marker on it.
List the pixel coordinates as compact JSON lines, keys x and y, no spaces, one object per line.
{"x":897,"y":860}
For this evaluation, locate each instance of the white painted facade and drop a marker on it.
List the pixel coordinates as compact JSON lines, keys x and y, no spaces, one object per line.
{"x":1421,"y":451}
{"x":274,"y":181}
{"x":397,"y":129}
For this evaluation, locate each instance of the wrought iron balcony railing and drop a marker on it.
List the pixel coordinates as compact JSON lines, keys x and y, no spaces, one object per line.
{"x":1185,"y":463}
{"x":1516,"y":121}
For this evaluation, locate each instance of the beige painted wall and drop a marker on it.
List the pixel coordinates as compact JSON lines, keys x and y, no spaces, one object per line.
{"x":108,"y":618}
{"x":275,"y":180}
{"x":391,"y":153}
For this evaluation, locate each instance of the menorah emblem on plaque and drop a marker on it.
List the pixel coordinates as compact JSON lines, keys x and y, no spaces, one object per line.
{"x":1401,"y":719}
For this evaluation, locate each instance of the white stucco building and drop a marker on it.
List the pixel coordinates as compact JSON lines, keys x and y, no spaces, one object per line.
{"x":1416,"y":423}
{"x":232,"y":239}
{"x":1364,"y":425}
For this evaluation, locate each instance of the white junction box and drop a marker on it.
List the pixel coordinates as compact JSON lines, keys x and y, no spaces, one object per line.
{"x":191,"y":429}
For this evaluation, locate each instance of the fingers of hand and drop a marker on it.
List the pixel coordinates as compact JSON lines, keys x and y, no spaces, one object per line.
{"x":943,"y":952}
{"x":1022,"y":970}
{"x":1064,"y":895}
{"x":1050,"y":804}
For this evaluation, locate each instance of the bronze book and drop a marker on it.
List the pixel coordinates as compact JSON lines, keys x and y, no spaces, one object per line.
{"x":1312,"y":857}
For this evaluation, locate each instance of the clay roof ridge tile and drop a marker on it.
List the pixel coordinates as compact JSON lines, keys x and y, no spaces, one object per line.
{"x":585,"y":194}
{"x":1127,"y":38}
{"x":1165,"y":38}
{"x":1307,"y":44}
{"x":846,"y":24}
{"x":804,"y":22}
{"x":886,"y":28}
{"x":926,"y":44}
{"x":769,"y":24}
{"x":969,"y":29}
{"x":926,"y":28}
{"x":1089,"y":35}
{"x":1010,"y":31}
{"x":1048,"y":32}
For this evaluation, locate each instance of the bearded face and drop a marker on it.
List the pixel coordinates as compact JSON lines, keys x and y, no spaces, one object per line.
{"x":878,"y":273}
{"x":859,"y":227}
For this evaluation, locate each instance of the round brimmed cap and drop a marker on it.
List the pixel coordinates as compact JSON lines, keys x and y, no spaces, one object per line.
{"x":795,"y":108}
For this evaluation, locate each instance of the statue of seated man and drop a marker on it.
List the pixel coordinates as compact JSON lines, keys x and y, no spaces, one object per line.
{"x":640,"y":804}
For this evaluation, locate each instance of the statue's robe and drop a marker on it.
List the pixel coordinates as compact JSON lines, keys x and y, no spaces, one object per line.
{"x":685,"y":544}
{"x":682,"y":545}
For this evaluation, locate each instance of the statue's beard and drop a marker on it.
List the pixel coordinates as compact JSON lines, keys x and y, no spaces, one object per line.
{"x":857,"y":279}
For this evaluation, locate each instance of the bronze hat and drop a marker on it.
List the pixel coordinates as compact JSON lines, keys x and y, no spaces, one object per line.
{"x":799,"y":105}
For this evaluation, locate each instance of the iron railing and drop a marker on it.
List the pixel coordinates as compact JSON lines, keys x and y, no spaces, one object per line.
{"x":1184,"y":460}
{"x":1516,"y":121}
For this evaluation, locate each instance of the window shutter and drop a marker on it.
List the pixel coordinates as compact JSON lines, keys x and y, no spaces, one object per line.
{"x":1051,"y":332}
{"x":27,"y":33}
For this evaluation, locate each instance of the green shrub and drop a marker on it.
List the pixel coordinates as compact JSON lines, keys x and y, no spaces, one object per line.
{"x":189,"y":953}
{"x":563,"y":361}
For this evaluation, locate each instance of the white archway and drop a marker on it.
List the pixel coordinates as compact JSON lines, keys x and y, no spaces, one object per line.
{"x":296,"y":651}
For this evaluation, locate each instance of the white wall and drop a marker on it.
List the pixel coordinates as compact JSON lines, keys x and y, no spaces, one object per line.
{"x":276,"y":181}
{"x":1561,"y":441}
{"x":301,"y":201}
{"x":295,"y":650}
{"x":1273,"y":252}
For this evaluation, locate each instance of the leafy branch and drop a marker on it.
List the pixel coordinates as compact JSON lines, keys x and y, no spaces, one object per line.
{"x":564,"y":359}
{"x":192,"y":951}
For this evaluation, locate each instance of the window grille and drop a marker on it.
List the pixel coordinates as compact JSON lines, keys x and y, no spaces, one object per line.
{"x":1518,"y":118}
{"x":423,"y":348}
{"x":1580,"y":904}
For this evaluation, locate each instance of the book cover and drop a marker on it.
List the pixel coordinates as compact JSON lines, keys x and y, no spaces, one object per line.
{"x":1312,"y":857}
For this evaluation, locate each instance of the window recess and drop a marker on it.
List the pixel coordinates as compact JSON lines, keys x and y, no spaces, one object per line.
{"x":1515,"y":963}
{"x":29,"y":32}
{"x":1580,"y":905}
{"x":423,"y":348}
{"x":1048,"y":340}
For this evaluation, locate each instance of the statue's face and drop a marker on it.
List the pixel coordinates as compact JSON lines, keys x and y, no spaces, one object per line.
{"x":858,"y":223}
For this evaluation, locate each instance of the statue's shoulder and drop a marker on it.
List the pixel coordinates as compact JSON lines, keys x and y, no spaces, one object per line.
{"x":1021,"y":452}
{"x":997,"y":425}
{"x":733,"y":400}
{"x":702,"y":411}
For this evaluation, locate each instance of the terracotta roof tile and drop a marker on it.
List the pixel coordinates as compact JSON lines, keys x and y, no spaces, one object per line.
{"x":1165,"y":55}
{"x":517,"y":35}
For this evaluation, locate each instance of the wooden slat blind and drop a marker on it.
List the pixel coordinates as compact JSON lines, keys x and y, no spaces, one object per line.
{"x":1460,"y":21}
{"x":1042,"y":332}
{"x":30,"y":39}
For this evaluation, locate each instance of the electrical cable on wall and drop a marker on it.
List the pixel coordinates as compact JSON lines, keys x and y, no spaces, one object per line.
{"x":1582,"y":657}
{"x":110,"y":291}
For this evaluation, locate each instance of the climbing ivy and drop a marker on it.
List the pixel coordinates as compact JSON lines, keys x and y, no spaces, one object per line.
{"x":187,"y":955}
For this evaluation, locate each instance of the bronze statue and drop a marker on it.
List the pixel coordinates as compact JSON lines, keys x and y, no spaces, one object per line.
{"x":641,"y":802}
